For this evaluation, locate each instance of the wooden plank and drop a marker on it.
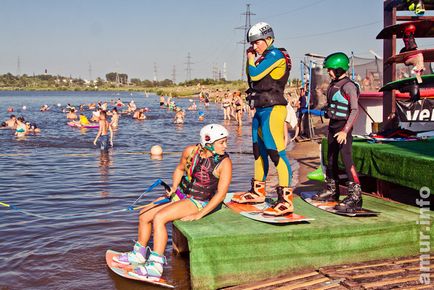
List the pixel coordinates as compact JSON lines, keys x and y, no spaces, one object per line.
{"x":422,"y":287}
{"x":376,"y":274}
{"x":333,"y":285}
{"x":280,"y":281}
{"x":417,"y":260}
{"x":412,"y":18}
{"x":361,"y":267}
{"x":383,"y":283}
{"x":303,"y":284}
{"x":398,"y":262}
{"x":418,"y":268}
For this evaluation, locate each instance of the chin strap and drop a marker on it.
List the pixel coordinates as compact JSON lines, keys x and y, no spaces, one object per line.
{"x":215,"y":154}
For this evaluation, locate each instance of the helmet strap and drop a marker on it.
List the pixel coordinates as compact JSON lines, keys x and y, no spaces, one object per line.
{"x":210,"y":148}
{"x":269,"y":41}
{"x":338,"y":73}
{"x":215,"y":154}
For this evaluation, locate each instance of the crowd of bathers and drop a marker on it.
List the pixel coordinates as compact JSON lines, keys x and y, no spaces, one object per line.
{"x":20,"y":125}
{"x":232,"y":102}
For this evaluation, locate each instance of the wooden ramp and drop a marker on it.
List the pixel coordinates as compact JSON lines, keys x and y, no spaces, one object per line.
{"x":226,"y":249}
{"x":401,"y":273}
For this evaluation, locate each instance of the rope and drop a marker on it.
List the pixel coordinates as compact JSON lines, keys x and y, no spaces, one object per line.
{"x":92,"y":215}
{"x":117,"y":153}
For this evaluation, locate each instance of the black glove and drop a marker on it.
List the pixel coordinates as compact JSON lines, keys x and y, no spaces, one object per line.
{"x":251,"y":50}
{"x":326,"y":111}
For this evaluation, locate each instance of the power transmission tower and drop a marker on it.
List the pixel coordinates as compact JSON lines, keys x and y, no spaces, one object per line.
{"x":18,"y":67}
{"x":174,"y":74}
{"x":90,"y":72}
{"x":244,"y":41}
{"x":215,"y":72}
{"x":155,"y":72}
{"x":188,"y":69}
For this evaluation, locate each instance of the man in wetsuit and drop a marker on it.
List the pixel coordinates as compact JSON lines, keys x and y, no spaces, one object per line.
{"x":267,"y":77}
{"x":342,"y":109}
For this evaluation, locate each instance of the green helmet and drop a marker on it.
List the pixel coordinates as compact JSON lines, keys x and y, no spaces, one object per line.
{"x":337,"y":60}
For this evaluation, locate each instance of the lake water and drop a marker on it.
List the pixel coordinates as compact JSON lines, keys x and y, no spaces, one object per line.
{"x":59,"y":173}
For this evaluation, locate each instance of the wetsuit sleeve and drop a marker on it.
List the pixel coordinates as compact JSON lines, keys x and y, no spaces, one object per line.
{"x":351,"y":93}
{"x":272,"y":60}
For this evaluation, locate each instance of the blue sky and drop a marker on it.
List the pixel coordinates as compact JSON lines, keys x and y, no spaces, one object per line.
{"x":134,"y":37}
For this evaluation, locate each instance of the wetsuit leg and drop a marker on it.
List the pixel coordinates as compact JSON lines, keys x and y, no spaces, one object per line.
{"x":346,"y":151}
{"x":272,"y":125}
{"x":347,"y":158}
{"x":332,"y":156}
{"x":259,"y":150}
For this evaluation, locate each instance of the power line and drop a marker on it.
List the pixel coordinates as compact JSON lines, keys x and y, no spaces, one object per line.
{"x":244,"y":41}
{"x":333,"y":31}
{"x":295,"y":10}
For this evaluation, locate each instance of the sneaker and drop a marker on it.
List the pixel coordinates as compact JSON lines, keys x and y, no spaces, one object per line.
{"x":136,"y":256}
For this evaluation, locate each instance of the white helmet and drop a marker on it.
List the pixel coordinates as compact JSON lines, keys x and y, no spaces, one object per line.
{"x":211,"y":133}
{"x":258,"y":31}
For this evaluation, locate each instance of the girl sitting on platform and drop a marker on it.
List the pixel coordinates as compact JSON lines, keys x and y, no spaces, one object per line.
{"x":200,"y":183}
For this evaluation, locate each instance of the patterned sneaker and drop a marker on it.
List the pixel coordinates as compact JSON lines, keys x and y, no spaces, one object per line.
{"x":136,"y":256}
{"x":153,"y":268}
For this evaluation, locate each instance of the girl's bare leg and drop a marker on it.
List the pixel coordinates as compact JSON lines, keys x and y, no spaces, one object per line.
{"x":145,"y":223}
{"x":170,"y":213}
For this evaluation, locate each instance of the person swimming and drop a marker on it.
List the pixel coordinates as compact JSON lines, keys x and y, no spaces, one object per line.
{"x":179,"y":116}
{"x":21,"y":129}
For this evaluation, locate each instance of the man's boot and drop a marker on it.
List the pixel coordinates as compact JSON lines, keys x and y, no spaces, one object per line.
{"x":329,"y":193}
{"x":256,"y":194}
{"x":284,"y":204}
{"x":353,"y":202}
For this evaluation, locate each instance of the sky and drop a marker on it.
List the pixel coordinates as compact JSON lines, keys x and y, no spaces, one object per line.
{"x":150,"y":39}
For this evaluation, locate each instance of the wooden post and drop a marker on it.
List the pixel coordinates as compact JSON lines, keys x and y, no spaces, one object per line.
{"x":389,"y":72}
{"x":179,"y":242}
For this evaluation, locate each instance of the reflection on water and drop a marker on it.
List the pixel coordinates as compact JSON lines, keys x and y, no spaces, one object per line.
{"x":156,"y":157}
{"x":104,"y":167}
{"x":59,"y":172}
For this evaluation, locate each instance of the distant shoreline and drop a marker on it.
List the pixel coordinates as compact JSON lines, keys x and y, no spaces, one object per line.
{"x":175,"y":91}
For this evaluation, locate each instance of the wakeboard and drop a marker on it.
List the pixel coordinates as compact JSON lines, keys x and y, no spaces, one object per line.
{"x":379,"y":139}
{"x":428,"y":56}
{"x":427,"y":82}
{"x":254,"y":212}
{"x":424,"y":28}
{"x":329,"y":206}
{"x":123,"y":270}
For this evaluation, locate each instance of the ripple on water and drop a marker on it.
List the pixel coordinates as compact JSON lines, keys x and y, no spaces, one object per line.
{"x":60,"y":173}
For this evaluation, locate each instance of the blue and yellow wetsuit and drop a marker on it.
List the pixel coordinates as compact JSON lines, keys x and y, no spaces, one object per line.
{"x":267,"y":78}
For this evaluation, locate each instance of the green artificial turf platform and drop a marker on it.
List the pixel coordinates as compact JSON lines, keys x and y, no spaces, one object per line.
{"x":407,"y":164}
{"x":227,"y":249}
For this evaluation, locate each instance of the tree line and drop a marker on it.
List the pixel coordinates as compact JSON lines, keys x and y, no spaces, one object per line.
{"x":112,"y":80}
